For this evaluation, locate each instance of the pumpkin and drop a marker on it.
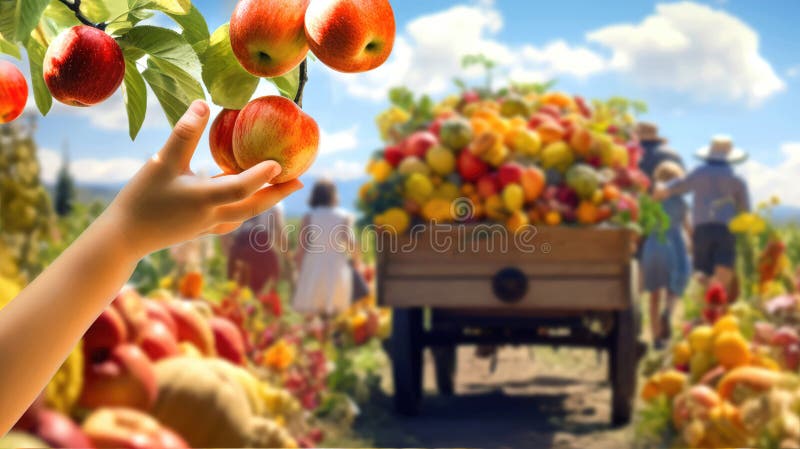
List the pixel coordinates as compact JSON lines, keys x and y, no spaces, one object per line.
{"x":203,"y":400}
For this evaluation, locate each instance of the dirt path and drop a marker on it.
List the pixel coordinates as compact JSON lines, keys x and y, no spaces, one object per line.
{"x":536,"y":398}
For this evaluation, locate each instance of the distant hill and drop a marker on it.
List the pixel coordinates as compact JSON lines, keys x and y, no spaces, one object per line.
{"x":787,"y":214}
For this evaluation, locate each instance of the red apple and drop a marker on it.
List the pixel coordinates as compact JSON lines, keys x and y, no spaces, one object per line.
{"x":268,"y":36}
{"x":274,"y":128}
{"x":107,"y":331}
{"x":58,"y":431}
{"x":157,"y":341}
{"x":129,"y":429}
{"x":130,"y":306}
{"x":488,"y":185}
{"x":785,"y":336}
{"x":350,"y":35}
{"x":83,"y":66}
{"x":471,"y":167}
{"x":192,"y":326}
{"x":126,"y":379}
{"x":13,"y":92}
{"x":510,"y":173}
{"x":419,"y":143}
{"x":220,"y":141}
{"x":551,"y":110}
{"x":228,"y":340}
{"x":471,"y":97}
{"x":393,"y":155}
{"x":156,"y":311}
{"x":30,"y":419}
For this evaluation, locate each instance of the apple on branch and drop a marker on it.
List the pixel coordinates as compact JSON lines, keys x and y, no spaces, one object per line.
{"x":83,"y":66}
{"x":13,"y":92}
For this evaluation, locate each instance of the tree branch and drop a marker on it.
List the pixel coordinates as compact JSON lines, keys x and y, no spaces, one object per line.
{"x":298,"y":99}
{"x":75,"y":7}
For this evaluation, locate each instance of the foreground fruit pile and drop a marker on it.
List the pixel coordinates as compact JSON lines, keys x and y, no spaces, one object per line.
{"x":519,"y":157}
{"x":173,"y":372}
{"x":731,"y":377}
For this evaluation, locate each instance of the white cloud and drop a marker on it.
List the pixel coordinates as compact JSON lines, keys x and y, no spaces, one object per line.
{"x":793,"y":71}
{"x":89,"y":170}
{"x":695,"y":49}
{"x":779,"y":179}
{"x":344,"y":140}
{"x":339,"y":170}
{"x":428,"y":54}
{"x":111,"y":114}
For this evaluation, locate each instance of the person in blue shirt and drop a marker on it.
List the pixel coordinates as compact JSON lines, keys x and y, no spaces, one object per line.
{"x":655,"y":149}
{"x":719,"y":194}
{"x":665,"y":262}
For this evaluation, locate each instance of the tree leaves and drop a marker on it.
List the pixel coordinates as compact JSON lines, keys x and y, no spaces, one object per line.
{"x":134,"y":93}
{"x":36,"y":50}
{"x":229,"y":84}
{"x":288,"y":84}
{"x":195,"y":29}
{"x":174,"y":88}
{"x":9,"y":48}
{"x":167,"y":6}
{"x":165,"y":45}
{"x":27,"y":15}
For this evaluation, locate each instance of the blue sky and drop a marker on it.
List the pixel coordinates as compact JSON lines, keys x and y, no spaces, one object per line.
{"x":704,"y":68}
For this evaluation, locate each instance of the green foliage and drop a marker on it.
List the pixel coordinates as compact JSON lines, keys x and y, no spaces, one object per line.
{"x":26,"y":16}
{"x":174,"y":88}
{"x":421,"y":109}
{"x":64,"y":190}
{"x":36,"y":50}
{"x":8,"y":48}
{"x":134,"y":93}
{"x":652,"y":217}
{"x":653,"y":428}
{"x":164,"y":45}
{"x":229,"y":84}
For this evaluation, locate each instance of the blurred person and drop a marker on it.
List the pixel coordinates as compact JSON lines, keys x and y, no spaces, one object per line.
{"x":259,"y":252}
{"x":719,"y":194}
{"x":327,"y":255}
{"x":655,"y":149}
{"x":665,"y":259}
{"x":163,"y":204}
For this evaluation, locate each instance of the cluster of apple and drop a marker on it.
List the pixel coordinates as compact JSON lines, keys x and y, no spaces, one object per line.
{"x":271,"y":38}
{"x":119,"y":377}
{"x":519,"y":158}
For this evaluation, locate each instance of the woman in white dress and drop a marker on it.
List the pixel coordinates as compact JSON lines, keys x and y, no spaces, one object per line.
{"x":326,"y":245}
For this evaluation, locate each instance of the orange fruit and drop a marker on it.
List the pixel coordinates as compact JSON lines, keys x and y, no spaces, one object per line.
{"x":517,"y":221}
{"x":191,"y":285}
{"x":672,"y":382}
{"x":611,"y":192}
{"x":533,"y":183}
{"x":559,"y":99}
{"x":553,"y":218}
{"x":586,"y":213}
{"x":681,"y":353}
{"x":550,"y":132}
{"x":650,"y":390}
{"x":728,"y":323}
{"x":731,"y":349}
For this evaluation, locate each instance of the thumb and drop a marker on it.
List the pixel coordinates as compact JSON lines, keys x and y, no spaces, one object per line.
{"x":185,"y":136}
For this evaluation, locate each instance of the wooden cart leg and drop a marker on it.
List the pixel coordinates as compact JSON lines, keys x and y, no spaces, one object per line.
{"x":445,"y":361}
{"x":623,"y":360}
{"x":406,"y":344}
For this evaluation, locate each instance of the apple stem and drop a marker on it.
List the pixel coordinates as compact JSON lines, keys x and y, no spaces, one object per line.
{"x":75,"y":7}
{"x":298,"y":99}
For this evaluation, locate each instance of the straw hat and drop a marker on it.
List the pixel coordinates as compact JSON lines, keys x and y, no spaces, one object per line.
{"x":722,"y":149}
{"x":647,"y":131}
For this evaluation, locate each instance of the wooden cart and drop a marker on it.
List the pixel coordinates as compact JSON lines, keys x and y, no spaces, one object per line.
{"x":478,"y":284}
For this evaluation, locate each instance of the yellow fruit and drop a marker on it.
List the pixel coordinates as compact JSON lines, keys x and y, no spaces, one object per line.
{"x":731,"y":349}
{"x":513,"y":197}
{"x":380,"y":170}
{"x":447,"y":191}
{"x":557,"y":155}
{"x":495,"y":209}
{"x":441,"y":160}
{"x":672,"y":382}
{"x":8,"y":291}
{"x":438,"y":210}
{"x":517,"y":221}
{"x":681,"y":353}
{"x":418,"y":187}
{"x":524,"y":141}
{"x":651,"y":389}
{"x":700,"y":339}
{"x":728,"y":323}
{"x":699,"y":364}
{"x":553,"y":218}
{"x":395,"y":220}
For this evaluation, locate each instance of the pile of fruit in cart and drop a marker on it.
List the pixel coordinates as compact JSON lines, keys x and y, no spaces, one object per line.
{"x":520,"y":156}
{"x":730,"y":379}
{"x":167,"y":371}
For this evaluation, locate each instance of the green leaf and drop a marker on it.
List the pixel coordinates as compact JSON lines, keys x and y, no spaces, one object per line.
{"x":134,"y":92}
{"x":195,"y":29}
{"x":164,"y":45}
{"x":9,"y":48}
{"x":27,"y":15}
{"x":36,"y":50}
{"x":288,"y":83}
{"x":7,"y":13}
{"x":167,"y":6}
{"x":174,"y":88}
{"x":230,"y":85}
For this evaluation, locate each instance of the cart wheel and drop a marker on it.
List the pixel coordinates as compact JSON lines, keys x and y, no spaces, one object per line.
{"x":623,"y":360}
{"x":445,"y":360}
{"x":406,"y":345}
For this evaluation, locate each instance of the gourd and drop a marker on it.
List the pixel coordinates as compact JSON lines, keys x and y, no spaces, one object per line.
{"x":204,"y":401}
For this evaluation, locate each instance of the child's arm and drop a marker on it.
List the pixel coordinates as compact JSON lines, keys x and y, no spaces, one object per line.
{"x":163,"y":204}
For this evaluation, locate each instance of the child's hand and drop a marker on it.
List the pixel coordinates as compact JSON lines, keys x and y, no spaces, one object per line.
{"x":165,"y":203}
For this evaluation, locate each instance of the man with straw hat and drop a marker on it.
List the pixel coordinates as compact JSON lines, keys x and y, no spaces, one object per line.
{"x":655,"y":149}
{"x":719,"y":195}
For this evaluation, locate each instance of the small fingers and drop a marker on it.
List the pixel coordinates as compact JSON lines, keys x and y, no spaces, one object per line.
{"x":257,"y":203}
{"x":180,"y":146}
{"x":228,"y":189}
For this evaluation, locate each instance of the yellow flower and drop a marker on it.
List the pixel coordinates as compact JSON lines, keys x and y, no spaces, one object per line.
{"x":748,"y":223}
{"x":279,"y":356}
{"x":775,"y":200}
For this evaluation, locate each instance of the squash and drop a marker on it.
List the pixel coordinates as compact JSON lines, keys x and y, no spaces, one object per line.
{"x":203,"y":403}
